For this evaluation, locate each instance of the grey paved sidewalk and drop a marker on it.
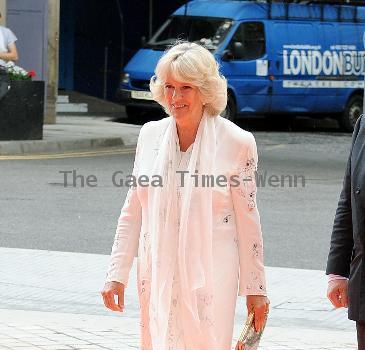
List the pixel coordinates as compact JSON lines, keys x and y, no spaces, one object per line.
{"x":50,"y":300}
{"x":72,"y":133}
{"x":90,"y":133}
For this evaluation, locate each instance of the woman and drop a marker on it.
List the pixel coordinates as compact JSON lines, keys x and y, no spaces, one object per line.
{"x":8,"y":50}
{"x":197,"y":228}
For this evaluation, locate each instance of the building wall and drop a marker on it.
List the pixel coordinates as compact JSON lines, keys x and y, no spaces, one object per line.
{"x":3,"y":12}
{"x":37,"y":21}
{"x":29,"y":22}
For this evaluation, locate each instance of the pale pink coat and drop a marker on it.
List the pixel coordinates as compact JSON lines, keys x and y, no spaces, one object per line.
{"x":237,"y":237}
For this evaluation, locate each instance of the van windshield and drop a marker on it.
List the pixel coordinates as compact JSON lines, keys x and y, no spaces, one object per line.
{"x":206,"y":31}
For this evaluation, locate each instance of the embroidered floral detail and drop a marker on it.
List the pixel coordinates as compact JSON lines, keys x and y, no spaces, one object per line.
{"x":226,"y":218}
{"x":206,"y":299}
{"x":246,"y":171}
{"x":252,"y":200}
{"x":209,"y":321}
{"x":171,"y":337}
{"x":247,"y":166}
{"x":205,"y":305}
{"x":255,"y":284}
{"x":129,"y":194}
{"x":146,"y":241}
{"x":257,"y":250}
{"x":144,"y":295}
{"x":163,"y":215}
{"x":117,"y":238}
{"x":164,"y":173}
{"x":254,"y":276}
{"x":251,"y":164}
{"x":149,"y":269}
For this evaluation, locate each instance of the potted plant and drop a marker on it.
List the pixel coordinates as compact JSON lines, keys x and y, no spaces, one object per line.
{"x":22,"y":107}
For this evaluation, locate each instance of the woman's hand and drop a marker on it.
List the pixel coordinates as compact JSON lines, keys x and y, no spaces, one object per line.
{"x":260,"y":306}
{"x":109,"y":291}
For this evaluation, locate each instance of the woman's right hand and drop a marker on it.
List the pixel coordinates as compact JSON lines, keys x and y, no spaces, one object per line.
{"x":109,"y":291}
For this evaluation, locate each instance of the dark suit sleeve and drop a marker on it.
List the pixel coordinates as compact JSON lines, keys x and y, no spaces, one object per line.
{"x":339,"y":257}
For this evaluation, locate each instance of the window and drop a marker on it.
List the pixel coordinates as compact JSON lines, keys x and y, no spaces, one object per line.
{"x":207,"y":31}
{"x":248,"y":43}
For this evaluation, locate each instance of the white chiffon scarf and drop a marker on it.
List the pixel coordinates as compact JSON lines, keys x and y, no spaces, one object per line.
{"x":190,"y":239}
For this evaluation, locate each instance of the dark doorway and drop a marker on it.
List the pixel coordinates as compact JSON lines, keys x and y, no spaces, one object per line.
{"x":97,"y":38}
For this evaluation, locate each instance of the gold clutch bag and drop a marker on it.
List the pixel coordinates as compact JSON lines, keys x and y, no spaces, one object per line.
{"x":249,"y":338}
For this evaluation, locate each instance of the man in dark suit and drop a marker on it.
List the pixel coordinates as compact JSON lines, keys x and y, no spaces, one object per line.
{"x":345,"y":266}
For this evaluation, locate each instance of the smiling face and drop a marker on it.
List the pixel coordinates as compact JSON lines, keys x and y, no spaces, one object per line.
{"x":183,"y":99}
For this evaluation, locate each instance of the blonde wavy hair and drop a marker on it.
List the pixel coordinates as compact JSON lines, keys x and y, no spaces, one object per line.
{"x":193,"y":64}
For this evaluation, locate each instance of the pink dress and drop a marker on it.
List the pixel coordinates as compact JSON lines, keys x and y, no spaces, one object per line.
{"x":225,"y":315}
{"x":237,"y":239}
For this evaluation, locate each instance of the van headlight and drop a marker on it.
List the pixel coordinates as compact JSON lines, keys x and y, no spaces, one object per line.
{"x":125,"y":78}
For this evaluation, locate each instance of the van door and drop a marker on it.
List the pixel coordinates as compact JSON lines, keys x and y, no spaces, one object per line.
{"x":245,"y":67}
{"x":329,"y":99}
{"x":290,"y":45}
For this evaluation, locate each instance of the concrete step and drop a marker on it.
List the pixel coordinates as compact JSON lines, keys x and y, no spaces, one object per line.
{"x":63,"y":99}
{"x":63,"y":105}
{"x":71,"y":107}
{"x":96,"y":106}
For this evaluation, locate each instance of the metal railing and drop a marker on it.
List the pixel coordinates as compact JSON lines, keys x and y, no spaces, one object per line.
{"x":317,"y":2}
{"x":321,"y":3}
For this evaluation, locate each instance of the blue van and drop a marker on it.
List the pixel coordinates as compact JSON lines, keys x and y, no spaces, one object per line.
{"x":278,"y":57}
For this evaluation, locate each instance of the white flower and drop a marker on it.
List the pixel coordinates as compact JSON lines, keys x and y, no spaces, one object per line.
{"x":15,"y":70}
{"x":9,"y":64}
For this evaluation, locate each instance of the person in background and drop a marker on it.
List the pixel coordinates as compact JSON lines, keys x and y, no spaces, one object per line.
{"x":345,"y":265}
{"x":8,"y":50}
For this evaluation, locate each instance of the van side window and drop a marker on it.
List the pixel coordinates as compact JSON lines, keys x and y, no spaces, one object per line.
{"x":248,"y":43}
{"x":206,"y":31}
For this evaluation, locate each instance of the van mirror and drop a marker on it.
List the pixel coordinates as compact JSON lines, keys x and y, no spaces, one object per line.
{"x":227,"y":55}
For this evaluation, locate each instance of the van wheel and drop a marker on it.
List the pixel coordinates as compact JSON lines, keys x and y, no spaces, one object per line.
{"x":230,"y":111}
{"x":352,"y":112}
